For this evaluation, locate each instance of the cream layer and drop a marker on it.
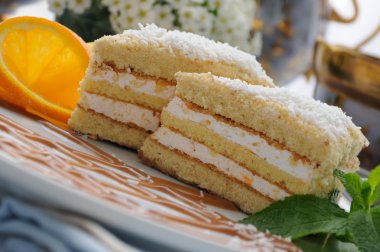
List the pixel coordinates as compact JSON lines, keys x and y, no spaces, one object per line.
{"x":176,"y":141}
{"x":122,"y":111}
{"x":128,"y":80}
{"x":280,"y":158}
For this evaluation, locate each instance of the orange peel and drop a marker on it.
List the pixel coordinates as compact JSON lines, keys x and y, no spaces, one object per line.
{"x":41,"y":65}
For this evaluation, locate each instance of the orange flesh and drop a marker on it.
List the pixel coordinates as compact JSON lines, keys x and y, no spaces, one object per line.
{"x":41,"y":66}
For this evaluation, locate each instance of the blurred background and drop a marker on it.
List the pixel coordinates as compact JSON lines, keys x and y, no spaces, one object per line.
{"x":328,"y":49}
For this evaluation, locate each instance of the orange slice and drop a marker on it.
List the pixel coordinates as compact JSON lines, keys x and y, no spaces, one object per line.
{"x":41,"y":64}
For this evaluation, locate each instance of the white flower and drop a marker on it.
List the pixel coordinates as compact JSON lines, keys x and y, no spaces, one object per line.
{"x":178,"y":3}
{"x":164,"y":16}
{"x":232,"y":25}
{"x":215,"y":4}
{"x":206,"y":20}
{"x":115,"y":23}
{"x":256,"y":44}
{"x":79,"y":6}
{"x":234,"y":32}
{"x":224,"y":17}
{"x":114,"y":6}
{"x":128,"y":22}
{"x":145,"y":4}
{"x":132,"y":20}
{"x":57,"y":6}
{"x":196,"y":19}
{"x":188,"y":18}
{"x":127,"y":7}
{"x":248,"y":8}
{"x":106,"y":2}
{"x":196,"y":2}
{"x":144,"y":16}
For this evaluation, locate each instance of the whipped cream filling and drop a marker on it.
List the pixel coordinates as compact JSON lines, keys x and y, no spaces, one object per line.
{"x":280,"y":158}
{"x":176,"y":141}
{"x":122,"y":111}
{"x":128,"y":80}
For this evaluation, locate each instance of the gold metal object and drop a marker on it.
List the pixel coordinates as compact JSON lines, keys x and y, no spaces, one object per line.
{"x":348,"y":72}
{"x":335,"y":16}
{"x":371,"y":36}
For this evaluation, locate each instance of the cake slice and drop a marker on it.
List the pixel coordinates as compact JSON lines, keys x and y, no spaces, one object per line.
{"x":131,"y":78}
{"x":252,"y":145}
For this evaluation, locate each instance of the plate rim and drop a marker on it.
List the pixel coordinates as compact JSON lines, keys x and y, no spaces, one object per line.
{"x":10,"y":173}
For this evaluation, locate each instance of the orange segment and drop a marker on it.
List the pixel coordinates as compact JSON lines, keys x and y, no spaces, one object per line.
{"x":41,"y":64}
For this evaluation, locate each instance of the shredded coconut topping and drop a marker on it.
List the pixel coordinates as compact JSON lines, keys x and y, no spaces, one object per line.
{"x":329,"y":119}
{"x":192,"y":46}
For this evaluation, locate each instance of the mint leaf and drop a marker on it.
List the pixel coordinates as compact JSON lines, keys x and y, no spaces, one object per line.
{"x":304,"y":215}
{"x":362,"y":231}
{"x":318,"y":243}
{"x":334,"y":195}
{"x":353,"y":187}
{"x":374,"y":177}
{"x":375,"y":212}
{"x":300,"y":215}
{"x":353,"y":184}
{"x":375,"y":197}
{"x":340,"y":175}
{"x":374,"y":181}
{"x":366,"y":193}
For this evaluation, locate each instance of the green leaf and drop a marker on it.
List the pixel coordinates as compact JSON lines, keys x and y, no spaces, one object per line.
{"x":316,"y":243}
{"x":299,"y":216}
{"x":375,"y":213}
{"x":375,"y":197}
{"x":374,"y":177}
{"x":366,"y":193}
{"x":334,"y":195}
{"x":353,"y":184}
{"x":340,"y":175}
{"x":363,"y":232}
{"x":353,"y":187}
{"x":374,"y":181}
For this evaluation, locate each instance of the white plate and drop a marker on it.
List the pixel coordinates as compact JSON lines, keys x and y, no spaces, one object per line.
{"x":41,"y":162}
